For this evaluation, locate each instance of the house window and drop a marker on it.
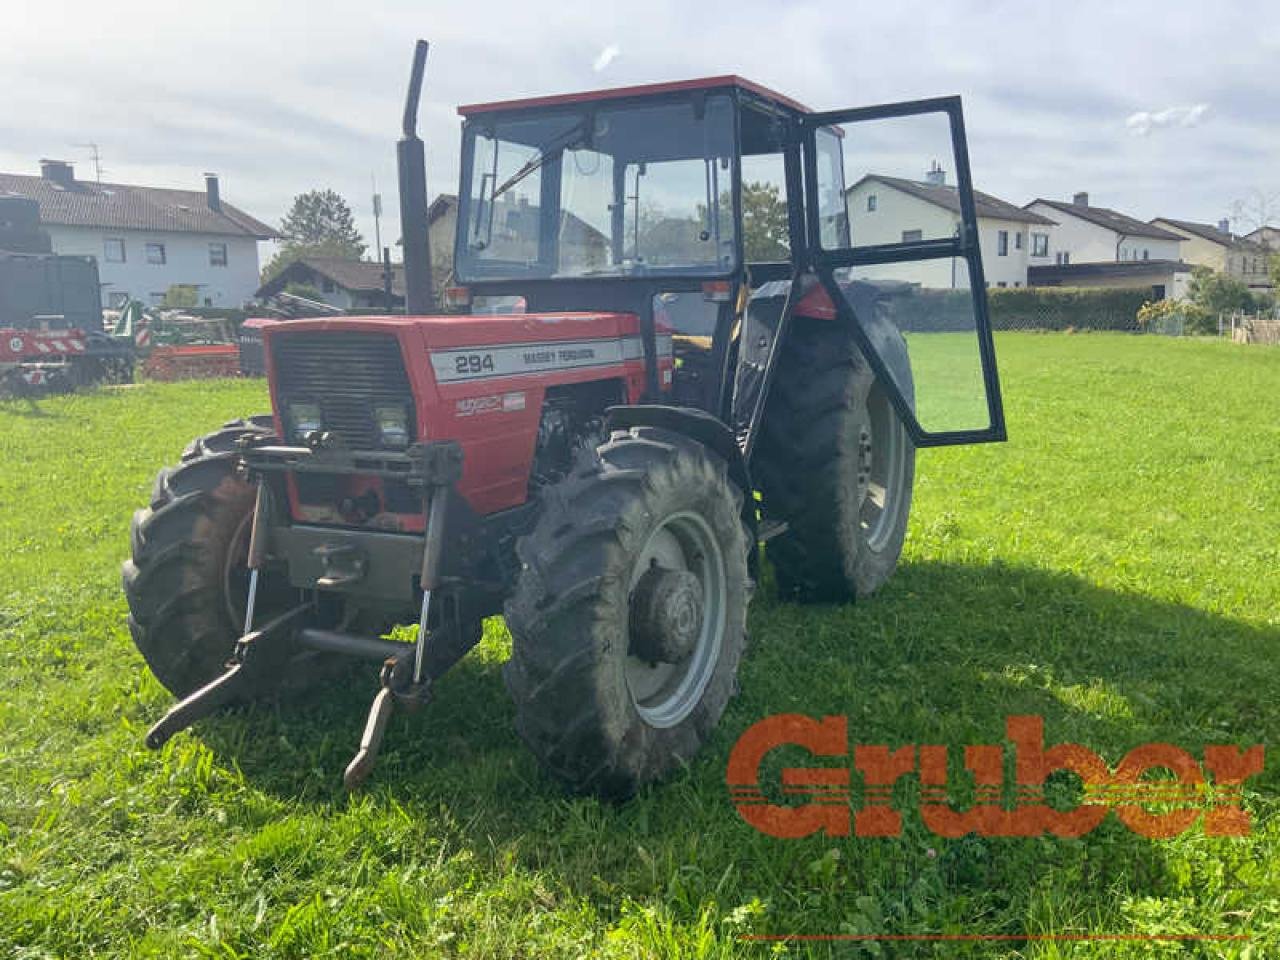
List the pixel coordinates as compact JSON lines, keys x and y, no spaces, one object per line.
{"x":1039,"y":244}
{"x":217,"y":254}
{"x":871,"y":203}
{"x":1062,"y":258}
{"x":113,"y":250}
{"x":1002,"y":243}
{"x":1017,"y":283}
{"x":155,"y":253}
{"x":326,"y":285}
{"x":1001,"y":284}
{"x":1146,"y":255}
{"x":1017,"y":240}
{"x":912,"y":236}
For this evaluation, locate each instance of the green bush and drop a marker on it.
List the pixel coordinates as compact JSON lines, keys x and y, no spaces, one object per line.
{"x":1177,"y":317}
{"x":1066,"y":308}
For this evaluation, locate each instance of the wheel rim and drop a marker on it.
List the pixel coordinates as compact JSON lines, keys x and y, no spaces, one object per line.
{"x":881,"y":470}
{"x":275,"y":595}
{"x":235,"y":573}
{"x":665,"y":693}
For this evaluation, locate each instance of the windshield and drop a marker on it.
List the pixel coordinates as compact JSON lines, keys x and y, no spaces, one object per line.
{"x":614,"y":191}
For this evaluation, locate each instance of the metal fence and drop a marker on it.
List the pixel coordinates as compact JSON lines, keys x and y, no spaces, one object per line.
{"x":1250,"y":327}
{"x":1063,"y":309}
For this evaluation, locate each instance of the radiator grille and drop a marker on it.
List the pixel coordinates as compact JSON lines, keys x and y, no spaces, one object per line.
{"x":348,"y":374}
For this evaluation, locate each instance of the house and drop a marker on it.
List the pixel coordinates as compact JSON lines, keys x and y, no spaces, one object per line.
{"x":884,"y":209}
{"x":442,"y":224}
{"x":515,"y":224}
{"x":1217,"y":248}
{"x":342,"y":283}
{"x":1089,"y":234}
{"x":148,"y":239}
{"x":1268,"y":237}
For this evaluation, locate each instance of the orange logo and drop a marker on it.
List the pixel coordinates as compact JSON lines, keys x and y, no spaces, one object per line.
{"x":1182,"y":800}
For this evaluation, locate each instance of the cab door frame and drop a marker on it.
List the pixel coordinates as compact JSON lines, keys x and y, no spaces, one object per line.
{"x":964,"y":245}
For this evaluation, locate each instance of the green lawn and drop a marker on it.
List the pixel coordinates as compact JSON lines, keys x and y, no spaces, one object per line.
{"x":1113,"y":568}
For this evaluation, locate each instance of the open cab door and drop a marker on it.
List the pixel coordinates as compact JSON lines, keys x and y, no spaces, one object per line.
{"x":893,"y":238}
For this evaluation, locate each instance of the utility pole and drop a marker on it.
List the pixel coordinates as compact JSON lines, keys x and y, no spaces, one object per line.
{"x":97,"y":158}
{"x":377,"y":214}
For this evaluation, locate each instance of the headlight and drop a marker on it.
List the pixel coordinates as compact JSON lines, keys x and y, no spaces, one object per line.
{"x":304,"y":418}
{"x":393,"y":426}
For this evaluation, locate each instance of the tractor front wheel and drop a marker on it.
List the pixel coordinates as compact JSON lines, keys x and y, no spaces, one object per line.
{"x":187,"y":578}
{"x":628,"y":616}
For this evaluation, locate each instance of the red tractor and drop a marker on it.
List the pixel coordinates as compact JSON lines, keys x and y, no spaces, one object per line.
{"x":669,"y":359}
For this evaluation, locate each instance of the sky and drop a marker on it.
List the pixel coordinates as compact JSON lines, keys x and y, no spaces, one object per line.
{"x":1155,"y":109}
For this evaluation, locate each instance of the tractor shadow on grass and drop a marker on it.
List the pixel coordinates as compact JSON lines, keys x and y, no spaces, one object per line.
{"x":942,"y":655}
{"x":943,"y":650}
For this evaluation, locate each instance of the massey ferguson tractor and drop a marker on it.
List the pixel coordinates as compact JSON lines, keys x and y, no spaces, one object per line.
{"x":624,"y":406}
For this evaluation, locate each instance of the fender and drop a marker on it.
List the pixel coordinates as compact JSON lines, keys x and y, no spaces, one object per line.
{"x":866,"y":303}
{"x":705,"y":429}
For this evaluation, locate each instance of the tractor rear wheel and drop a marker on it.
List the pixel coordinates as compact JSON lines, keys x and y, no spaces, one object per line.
{"x":628,"y":616}
{"x":836,"y":464}
{"x":187,"y":580}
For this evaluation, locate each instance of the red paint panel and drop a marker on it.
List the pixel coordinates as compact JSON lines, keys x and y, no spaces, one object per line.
{"x":640,"y":90}
{"x":498,"y":444}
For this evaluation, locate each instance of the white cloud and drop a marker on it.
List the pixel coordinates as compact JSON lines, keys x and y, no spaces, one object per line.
{"x":606,"y":57}
{"x":1141,"y":124}
{"x":281,"y":119}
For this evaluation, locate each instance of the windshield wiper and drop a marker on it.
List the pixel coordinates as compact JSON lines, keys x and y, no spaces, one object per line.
{"x":545,"y":153}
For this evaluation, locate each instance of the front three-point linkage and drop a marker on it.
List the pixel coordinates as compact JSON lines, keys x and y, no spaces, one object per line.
{"x":263,"y":655}
{"x":259,"y":654}
{"x":411,"y":685}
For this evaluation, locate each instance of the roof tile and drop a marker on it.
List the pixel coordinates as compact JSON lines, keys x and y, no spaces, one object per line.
{"x":1111,"y":220}
{"x":126,"y":207}
{"x":944,"y":195}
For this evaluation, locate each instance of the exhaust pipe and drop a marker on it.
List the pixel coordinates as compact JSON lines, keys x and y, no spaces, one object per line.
{"x":412,"y":168}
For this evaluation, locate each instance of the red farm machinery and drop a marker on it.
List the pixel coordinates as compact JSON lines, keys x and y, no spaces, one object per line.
{"x":640,"y":390}
{"x":51,"y":332}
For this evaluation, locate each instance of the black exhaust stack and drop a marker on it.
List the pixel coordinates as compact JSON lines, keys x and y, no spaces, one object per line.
{"x":412,"y":167}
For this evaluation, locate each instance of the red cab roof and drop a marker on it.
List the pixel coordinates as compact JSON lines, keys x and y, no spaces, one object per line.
{"x":641,"y":90}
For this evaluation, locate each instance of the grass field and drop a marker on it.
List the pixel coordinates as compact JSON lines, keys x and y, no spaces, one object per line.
{"x":1113,"y":568}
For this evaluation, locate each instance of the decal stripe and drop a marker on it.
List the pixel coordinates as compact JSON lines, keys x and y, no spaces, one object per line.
{"x":514,"y":359}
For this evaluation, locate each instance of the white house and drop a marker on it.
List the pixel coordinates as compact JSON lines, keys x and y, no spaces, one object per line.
{"x":885,"y":209}
{"x":1217,"y":248}
{"x":1087,"y":234}
{"x":148,"y":239}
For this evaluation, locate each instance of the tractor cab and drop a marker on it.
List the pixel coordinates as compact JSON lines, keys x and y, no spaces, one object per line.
{"x":715,"y":206}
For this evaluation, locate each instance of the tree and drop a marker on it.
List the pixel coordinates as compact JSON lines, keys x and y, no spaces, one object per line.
{"x":181,"y":295}
{"x":1255,"y":210}
{"x":764,"y":222}
{"x":318,"y":224}
{"x":1273,"y":268}
{"x":1219,"y":293}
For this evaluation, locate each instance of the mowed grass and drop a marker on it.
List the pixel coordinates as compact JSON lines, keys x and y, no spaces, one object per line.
{"x":1113,"y":568}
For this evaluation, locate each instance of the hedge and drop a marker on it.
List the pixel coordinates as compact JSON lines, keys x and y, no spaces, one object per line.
{"x":1062,"y":308}
{"x":916,"y":310}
